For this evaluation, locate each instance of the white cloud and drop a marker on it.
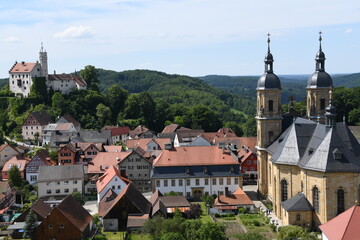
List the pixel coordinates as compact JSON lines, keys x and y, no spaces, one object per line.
{"x":11,"y":40}
{"x":348,"y":30}
{"x":76,"y":32}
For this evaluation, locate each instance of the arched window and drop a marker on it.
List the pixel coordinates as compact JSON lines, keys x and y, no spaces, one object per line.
{"x":322,"y":104}
{"x":284,"y":191}
{"x":271,"y":105}
{"x":315,"y":192}
{"x":340,"y":201}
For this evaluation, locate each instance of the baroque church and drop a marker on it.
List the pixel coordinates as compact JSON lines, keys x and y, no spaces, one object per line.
{"x":309,"y":169}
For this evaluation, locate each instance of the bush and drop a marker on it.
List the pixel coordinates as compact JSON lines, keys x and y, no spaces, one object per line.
{"x":256,"y":223}
{"x":242,"y":210}
{"x":229,"y":218}
{"x":267,"y":221}
{"x":217,"y":215}
{"x":273,"y":227}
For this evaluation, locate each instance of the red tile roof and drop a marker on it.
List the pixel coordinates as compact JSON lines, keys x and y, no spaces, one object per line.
{"x":67,"y":77}
{"x":344,"y":226}
{"x":16,"y":160}
{"x":194,"y":156}
{"x":3,"y":146}
{"x":22,"y":67}
{"x":143,"y":142}
{"x":171,"y":128}
{"x":120,"y":131}
{"x":113,"y":148}
{"x":105,"y":160}
{"x":239,"y":197}
{"x":108,"y":176}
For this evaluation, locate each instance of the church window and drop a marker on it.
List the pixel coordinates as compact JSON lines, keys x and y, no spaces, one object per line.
{"x":271,"y":105}
{"x":315,"y":192}
{"x":284,"y":190}
{"x":340,"y":201}
{"x":322,"y":104}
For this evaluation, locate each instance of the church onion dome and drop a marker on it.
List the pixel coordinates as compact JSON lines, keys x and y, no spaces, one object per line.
{"x":268,"y":80}
{"x":320,"y":78}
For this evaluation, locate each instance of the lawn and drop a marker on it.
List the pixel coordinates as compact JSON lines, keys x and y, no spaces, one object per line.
{"x":256,"y":222}
{"x":139,"y":236}
{"x":114,"y":235}
{"x":204,"y":216}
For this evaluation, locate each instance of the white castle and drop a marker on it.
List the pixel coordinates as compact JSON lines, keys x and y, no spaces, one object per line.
{"x":21,"y":77}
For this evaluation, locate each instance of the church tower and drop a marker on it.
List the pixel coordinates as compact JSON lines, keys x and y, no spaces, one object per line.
{"x":43,"y":62}
{"x":318,"y":87}
{"x":268,"y":117}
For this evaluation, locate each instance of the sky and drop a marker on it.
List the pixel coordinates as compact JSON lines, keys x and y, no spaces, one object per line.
{"x":190,"y":37}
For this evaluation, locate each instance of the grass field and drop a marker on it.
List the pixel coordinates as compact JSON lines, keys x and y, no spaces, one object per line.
{"x":204,"y":216}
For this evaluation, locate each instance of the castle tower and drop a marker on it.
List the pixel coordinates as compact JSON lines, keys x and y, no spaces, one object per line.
{"x":43,"y":62}
{"x":318,"y":87}
{"x":268,"y":116}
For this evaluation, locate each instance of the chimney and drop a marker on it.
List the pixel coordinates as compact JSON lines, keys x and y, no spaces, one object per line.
{"x":168,"y":146}
{"x":226,"y":191}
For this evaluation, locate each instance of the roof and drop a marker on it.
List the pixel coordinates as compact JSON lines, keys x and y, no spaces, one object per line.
{"x":19,"y":161}
{"x":105,"y":160}
{"x":355,"y":131}
{"x":313,"y":146}
{"x":60,"y":172}
{"x":39,"y":207}
{"x":3,"y":146}
{"x":120,"y":131}
{"x":132,"y":194}
{"x":143,"y":142}
{"x":174,"y":201}
{"x":70,"y":119}
{"x":75,"y":213}
{"x":239,"y":197}
{"x":194,"y":156}
{"x":42,"y":117}
{"x":268,"y":80}
{"x":319,"y":79}
{"x":155,"y":196}
{"x":244,"y":153}
{"x":103,"y":136}
{"x":138,"y":131}
{"x":297,"y":203}
{"x":136,"y":221}
{"x":108,"y":176}
{"x":345,"y":226}
{"x":113,"y":148}
{"x":45,"y":157}
{"x":4,"y":186}
{"x":188,"y":133}
{"x":22,"y":67}
{"x":171,"y":128}
{"x":68,"y":77}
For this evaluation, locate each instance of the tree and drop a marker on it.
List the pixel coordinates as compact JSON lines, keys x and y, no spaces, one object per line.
{"x":235,"y":127}
{"x":204,"y":118}
{"x":104,"y":114}
{"x":58,"y":104}
{"x":39,"y":89}
{"x":115,"y":98}
{"x":36,"y":136}
{"x":78,"y":197}
{"x":15,"y":178}
{"x":194,"y":211}
{"x":89,"y":74}
{"x":295,"y":232}
{"x":172,"y":236}
{"x":30,"y":225}
{"x":250,"y":127}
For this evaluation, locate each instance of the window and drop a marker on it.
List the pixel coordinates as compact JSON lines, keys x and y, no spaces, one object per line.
{"x":284,"y":192}
{"x":221,"y":193}
{"x":113,"y":187}
{"x":75,"y":182}
{"x":298,"y":217}
{"x":187,"y":182}
{"x":236,"y":181}
{"x":271,"y":105}
{"x":50,"y":226}
{"x":180,"y":182}
{"x":322,"y":104}
{"x":48,"y":191}
{"x":206,"y":181}
{"x":228,"y":181}
{"x":75,"y":190}
{"x":61,"y":225}
{"x":57,"y":190}
{"x":197,"y":182}
{"x":255,"y":162}
{"x":340,"y":201}
{"x":221,"y":181}
{"x":157,"y":183}
{"x":48,"y":183}
{"x":66,"y":182}
{"x":252,"y":169}
{"x":315,"y":193}
{"x":66,"y":190}
{"x":214,"y":181}
{"x":188,"y":194}
{"x":248,"y":162}
{"x":165,"y":183}
{"x":245,"y":169}
{"x":33,"y":178}
{"x":173,"y":183}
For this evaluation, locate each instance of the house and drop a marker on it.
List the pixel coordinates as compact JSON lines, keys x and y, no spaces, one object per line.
{"x":89,"y":136}
{"x":67,"y":155}
{"x":68,"y":220}
{"x":195,"y":171}
{"x":113,"y":148}
{"x":114,"y":209}
{"x":112,"y":179}
{"x":230,"y":202}
{"x":104,"y":160}
{"x":118,"y":134}
{"x":168,"y":204}
{"x":65,"y":83}
{"x":7,"y":200}
{"x":57,"y":128}
{"x":67,"y":118}
{"x":61,"y":180}
{"x":237,"y":142}
{"x":19,"y":161}
{"x":141,"y":132}
{"x":345,"y":226}
{"x":58,"y":139}
{"x":41,"y":158}
{"x":248,"y":162}
{"x":190,"y":137}
{"x":221,"y":133}
{"x":6,"y":152}
{"x":78,"y":153}
{"x":34,"y":125}
{"x":150,"y":145}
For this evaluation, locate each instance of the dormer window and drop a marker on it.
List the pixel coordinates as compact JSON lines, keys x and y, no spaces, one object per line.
{"x":205,"y":170}
{"x":187,"y":170}
{"x":311,"y":150}
{"x":337,"y":154}
{"x":232,"y":170}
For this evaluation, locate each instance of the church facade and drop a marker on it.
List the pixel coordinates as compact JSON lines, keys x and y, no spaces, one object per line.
{"x":309,"y":169}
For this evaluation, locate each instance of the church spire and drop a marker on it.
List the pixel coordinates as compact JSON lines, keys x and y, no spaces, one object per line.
{"x":320,"y":57}
{"x":268,"y":58}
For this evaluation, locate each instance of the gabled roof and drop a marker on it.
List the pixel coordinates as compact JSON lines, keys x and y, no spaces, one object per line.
{"x":113,"y":148}
{"x":22,"y":67}
{"x":194,"y":156}
{"x":70,"y":119}
{"x":42,"y":117}
{"x":171,"y":128}
{"x":67,"y":77}
{"x":181,"y":134}
{"x":138,"y":131}
{"x":75,"y":213}
{"x":143,"y":142}
{"x":3,"y":146}
{"x":133,"y":195}
{"x":104,"y":160}
{"x":45,"y":157}
{"x":239,"y":197}
{"x":120,"y":131}
{"x":244,"y":153}
{"x":19,"y":161}
{"x":344,"y":226}
{"x":60,"y":173}
{"x":174,"y":201}
{"x":103,"y":136}
{"x":108,"y":176}
{"x":155,"y":196}
{"x":38,"y":207}
{"x":297,"y":203}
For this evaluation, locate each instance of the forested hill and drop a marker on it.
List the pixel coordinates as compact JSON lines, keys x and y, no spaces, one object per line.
{"x":176,"y":89}
{"x":292,"y":85}
{"x":3,"y":82}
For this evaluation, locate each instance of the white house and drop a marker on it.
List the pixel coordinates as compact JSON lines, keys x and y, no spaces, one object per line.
{"x":56,"y":128}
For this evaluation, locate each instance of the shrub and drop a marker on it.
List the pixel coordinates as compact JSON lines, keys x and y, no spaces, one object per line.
{"x":256,"y":223}
{"x":267,"y":221}
{"x":242,"y":210}
{"x":217,"y":215}
{"x":229,"y":218}
{"x":100,"y":237}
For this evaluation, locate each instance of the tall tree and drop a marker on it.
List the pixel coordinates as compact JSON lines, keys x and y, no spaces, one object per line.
{"x":104,"y":114}
{"x":15,"y":179}
{"x":90,"y":75}
{"x":30,"y":225}
{"x":58,"y":104}
{"x":115,"y":98}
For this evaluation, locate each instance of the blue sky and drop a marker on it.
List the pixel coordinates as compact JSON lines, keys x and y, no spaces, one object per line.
{"x":191,"y":37}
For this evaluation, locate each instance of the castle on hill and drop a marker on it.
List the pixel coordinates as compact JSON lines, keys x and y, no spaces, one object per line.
{"x":309,"y":167}
{"x":21,"y":77}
